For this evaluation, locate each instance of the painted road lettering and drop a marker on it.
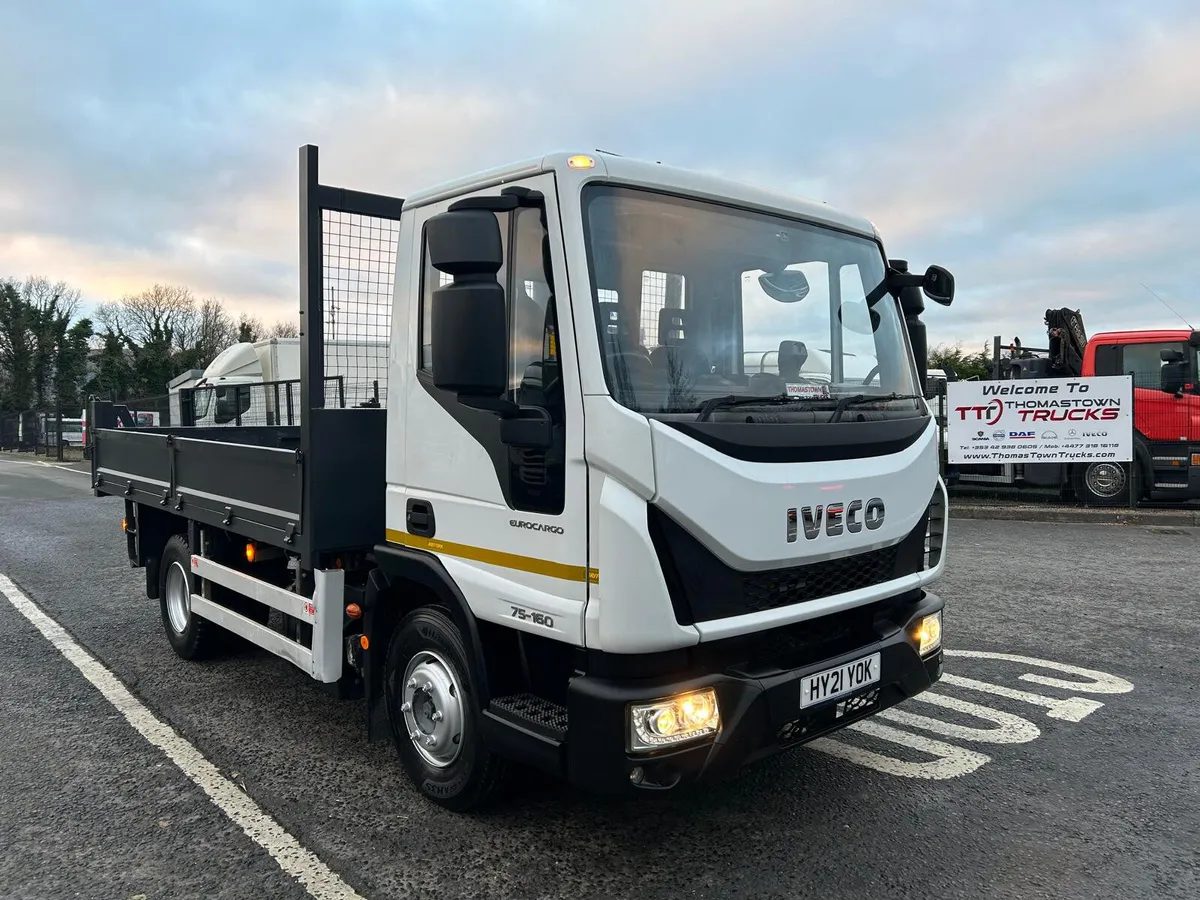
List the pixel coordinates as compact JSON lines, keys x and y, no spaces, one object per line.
{"x":1007,"y":728}
{"x":1096,"y":683}
{"x":949,"y":760}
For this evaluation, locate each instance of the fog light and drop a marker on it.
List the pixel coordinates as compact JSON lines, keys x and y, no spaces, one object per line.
{"x":674,"y":720}
{"x":926,"y":632}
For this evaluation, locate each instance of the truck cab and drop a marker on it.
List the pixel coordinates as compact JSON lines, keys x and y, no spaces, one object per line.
{"x":1166,"y":407}
{"x":588,"y":525}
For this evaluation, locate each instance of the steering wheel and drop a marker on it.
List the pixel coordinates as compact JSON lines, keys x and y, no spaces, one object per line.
{"x":870,"y":375}
{"x":635,"y":363}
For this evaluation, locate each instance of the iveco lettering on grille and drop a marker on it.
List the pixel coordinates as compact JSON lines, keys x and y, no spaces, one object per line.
{"x":838,"y":517}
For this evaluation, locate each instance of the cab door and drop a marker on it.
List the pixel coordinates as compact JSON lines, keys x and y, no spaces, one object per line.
{"x":1160,"y":414}
{"x":509,"y":524}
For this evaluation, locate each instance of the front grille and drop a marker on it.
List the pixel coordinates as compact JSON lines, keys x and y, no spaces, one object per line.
{"x":783,"y":587}
{"x":703,"y":588}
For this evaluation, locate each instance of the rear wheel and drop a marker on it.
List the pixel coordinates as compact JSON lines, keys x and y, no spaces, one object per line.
{"x":189,"y":635}
{"x":1102,"y":483}
{"x":433,"y":708}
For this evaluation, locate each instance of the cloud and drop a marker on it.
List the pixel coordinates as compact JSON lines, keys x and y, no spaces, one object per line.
{"x":1041,"y":151}
{"x":1002,"y":148}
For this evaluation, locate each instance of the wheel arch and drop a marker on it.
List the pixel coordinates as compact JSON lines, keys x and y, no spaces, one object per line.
{"x":404,"y":580}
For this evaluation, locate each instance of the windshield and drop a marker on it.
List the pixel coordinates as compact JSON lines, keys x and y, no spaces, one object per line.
{"x":697,"y":301}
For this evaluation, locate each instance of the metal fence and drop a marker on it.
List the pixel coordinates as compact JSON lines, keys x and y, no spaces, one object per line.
{"x":51,"y":434}
{"x":263,"y":404}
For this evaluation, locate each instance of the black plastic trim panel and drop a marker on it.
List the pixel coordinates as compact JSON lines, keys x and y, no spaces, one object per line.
{"x":787,"y":442}
{"x":702,"y":588}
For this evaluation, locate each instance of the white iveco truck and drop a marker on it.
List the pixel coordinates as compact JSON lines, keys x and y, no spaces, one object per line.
{"x":579,"y":531}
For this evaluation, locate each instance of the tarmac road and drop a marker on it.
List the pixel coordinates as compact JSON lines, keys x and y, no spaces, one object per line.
{"x":1012,"y":786}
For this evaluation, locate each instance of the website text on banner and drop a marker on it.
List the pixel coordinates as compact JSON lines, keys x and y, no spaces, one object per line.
{"x":1038,"y":420}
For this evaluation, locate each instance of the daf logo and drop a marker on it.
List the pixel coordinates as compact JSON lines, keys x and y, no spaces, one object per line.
{"x":836,"y":518}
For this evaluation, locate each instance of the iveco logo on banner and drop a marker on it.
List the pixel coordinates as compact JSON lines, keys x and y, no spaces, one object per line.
{"x":837,"y":518}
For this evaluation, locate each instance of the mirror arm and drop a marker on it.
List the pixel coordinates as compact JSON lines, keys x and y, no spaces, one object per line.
{"x":897,"y":280}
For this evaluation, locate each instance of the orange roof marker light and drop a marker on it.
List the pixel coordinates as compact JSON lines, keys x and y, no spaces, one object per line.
{"x":581,"y":162}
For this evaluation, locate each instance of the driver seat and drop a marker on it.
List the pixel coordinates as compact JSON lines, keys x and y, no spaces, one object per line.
{"x":676,"y":353}
{"x":791,"y":358}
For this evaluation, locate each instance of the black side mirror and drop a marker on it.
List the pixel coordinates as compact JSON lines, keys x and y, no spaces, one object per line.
{"x":1171,"y":355}
{"x":467,"y":322}
{"x":939,"y":285}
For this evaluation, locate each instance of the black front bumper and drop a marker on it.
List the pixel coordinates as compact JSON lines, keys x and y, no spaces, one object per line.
{"x":759,"y":708}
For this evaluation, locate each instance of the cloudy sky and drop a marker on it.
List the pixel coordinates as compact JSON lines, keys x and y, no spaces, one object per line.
{"x":1048,"y":153}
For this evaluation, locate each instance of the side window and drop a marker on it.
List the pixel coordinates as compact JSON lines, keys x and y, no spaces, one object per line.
{"x":431,"y":279}
{"x":858,"y":334}
{"x":1144,"y":362}
{"x":232,"y":403}
{"x":660,"y":290}
{"x":529,"y":315}
{"x":1108,"y":361}
{"x":537,"y":478}
{"x":533,"y":480}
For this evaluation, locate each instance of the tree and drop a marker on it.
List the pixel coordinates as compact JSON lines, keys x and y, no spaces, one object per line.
{"x":964,"y":365}
{"x":250,"y":329}
{"x":284,"y":329}
{"x":71,"y":365}
{"x":50,"y":309}
{"x":16,"y":347}
{"x":162,"y":331}
{"x":160,"y":311}
{"x":43,"y":353}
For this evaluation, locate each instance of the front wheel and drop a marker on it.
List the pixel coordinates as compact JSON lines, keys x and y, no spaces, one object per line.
{"x":434,"y":712}
{"x":1102,"y":483}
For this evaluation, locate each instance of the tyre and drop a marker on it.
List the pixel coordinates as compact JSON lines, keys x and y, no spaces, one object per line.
{"x":190,"y":636}
{"x":1102,"y":483}
{"x":433,"y":708}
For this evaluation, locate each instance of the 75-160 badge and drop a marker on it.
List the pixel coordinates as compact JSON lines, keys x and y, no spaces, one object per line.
{"x":532,"y":615}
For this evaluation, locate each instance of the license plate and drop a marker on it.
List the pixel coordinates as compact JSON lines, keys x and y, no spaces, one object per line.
{"x":838,"y":681}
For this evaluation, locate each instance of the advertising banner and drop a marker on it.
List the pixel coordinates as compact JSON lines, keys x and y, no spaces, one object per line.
{"x":1040,"y":420}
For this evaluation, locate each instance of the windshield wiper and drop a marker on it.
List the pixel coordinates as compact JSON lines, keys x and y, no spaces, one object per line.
{"x":731,"y":400}
{"x":855,"y":399}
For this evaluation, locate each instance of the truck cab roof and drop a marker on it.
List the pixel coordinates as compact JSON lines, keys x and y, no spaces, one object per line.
{"x":1154,"y":335}
{"x":605,"y":167}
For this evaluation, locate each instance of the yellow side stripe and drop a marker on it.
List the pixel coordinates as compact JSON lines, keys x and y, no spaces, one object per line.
{"x":532,"y":564}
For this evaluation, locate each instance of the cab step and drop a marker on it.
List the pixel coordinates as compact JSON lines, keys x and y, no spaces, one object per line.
{"x":533,"y":713}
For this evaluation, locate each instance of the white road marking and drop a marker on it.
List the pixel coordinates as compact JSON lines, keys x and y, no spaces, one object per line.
{"x":61,"y":467}
{"x":1009,"y":729}
{"x":293,"y":858}
{"x":951,"y":761}
{"x":1097,"y":683}
{"x":1069,"y":709}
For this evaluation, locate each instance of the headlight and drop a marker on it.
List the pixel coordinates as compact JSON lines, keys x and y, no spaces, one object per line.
{"x":926,"y":633}
{"x":674,"y":720}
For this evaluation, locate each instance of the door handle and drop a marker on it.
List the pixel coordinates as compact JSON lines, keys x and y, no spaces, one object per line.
{"x":418,"y":516}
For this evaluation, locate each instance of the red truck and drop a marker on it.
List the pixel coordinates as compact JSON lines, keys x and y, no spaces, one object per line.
{"x":1166,"y":411}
